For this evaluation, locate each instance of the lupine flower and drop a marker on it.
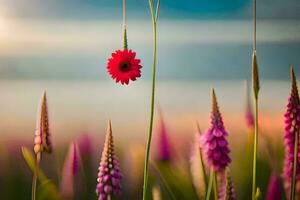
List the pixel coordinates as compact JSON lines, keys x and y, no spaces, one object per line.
{"x":227,"y":191}
{"x":275,"y":189}
{"x":215,"y":140}
{"x":70,"y":171}
{"x":109,"y":176}
{"x":163,"y":143}
{"x":42,"y":142}
{"x":197,"y":167}
{"x":249,"y":117}
{"x":123,"y":66}
{"x":292,"y":126}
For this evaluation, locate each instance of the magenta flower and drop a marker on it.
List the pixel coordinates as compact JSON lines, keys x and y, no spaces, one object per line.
{"x":227,"y":191}
{"x":215,"y":143}
{"x":84,"y":144}
{"x":292,"y":126}
{"x":275,"y":189}
{"x":109,"y":176}
{"x":70,"y":171}
{"x":42,"y":142}
{"x":163,"y":143}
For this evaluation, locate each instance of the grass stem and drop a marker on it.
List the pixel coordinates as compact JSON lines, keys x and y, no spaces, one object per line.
{"x":210,"y":184}
{"x":255,"y":150}
{"x":215,"y":185}
{"x":34,"y":179}
{"x":154,"y":18}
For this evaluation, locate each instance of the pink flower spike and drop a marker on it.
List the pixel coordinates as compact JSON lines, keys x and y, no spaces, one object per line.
{"x":292,"y":127}
{"x":215,"y":140}
{"x":109,"y":176}
{"x":163,"y":143}
{"x":70,"y":171}
{"x":42,"y":139}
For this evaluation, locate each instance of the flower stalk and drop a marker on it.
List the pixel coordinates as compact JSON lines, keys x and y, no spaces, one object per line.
{"x":255,"y":87}
{"x":125,"y":44}
{"x":42,"y":142}
{"x":34,"y":179}
{"x":215,"y":185}
{"x":210,"y":184}
{"x":154,"y":18}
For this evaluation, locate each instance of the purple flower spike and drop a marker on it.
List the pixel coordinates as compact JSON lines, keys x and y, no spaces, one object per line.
{"x":70,"y":170}
{"x":292,"y":126}
{"x":227,"y":191}
{"x":163,"y":144}
{"x":215,"y":143}
{"x":109,"y":176}
{"x":275,"y":189}
{"x":42,"y":142}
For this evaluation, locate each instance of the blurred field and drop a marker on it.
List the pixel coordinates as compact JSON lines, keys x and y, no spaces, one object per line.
{"x":78,"y":107}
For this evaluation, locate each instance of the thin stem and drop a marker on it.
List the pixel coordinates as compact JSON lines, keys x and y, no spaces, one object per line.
{"x":254,"y":25}
{"x":34,"y":179}
{"x":293,"y":183}
{"x":125,"y":45}
{"x":210,"y":184}
{"x":157,"y":10}
{"x":215,"y":185}
{"x":146,"y":167}
{"x":201,"y":158}
{"x":255,"y":149}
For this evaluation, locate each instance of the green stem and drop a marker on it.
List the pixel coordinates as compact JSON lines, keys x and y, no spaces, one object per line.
{"x":255,"y":150}
{"x":203,"y":168}
{"x":34,"y":179}
{"x":210,"y":184}
{"x":215,"y":185}
{"x":125,"y":43}
{"x":146,"y":164}
{"x":293,"y":184}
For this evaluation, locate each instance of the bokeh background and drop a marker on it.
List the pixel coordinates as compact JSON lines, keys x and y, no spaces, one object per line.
{"x":62,"y":46}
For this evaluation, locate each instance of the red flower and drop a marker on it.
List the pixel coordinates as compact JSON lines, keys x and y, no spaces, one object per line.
{"x":123,"y":66}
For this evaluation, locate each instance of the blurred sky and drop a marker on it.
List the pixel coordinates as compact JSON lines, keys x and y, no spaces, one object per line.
{"x":62,"y":46}
{"x":198,"y":39}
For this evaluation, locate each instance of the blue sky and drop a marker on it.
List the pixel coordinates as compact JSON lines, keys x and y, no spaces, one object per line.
{"x":72,"y":39}
{"x":171,"y":9}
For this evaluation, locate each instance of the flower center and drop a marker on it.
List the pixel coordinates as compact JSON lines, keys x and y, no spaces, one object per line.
{"x":124,"y":66}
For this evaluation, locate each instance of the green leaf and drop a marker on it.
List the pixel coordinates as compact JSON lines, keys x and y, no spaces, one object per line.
{"x":48,"y":189}
{"x":29,"y":158}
